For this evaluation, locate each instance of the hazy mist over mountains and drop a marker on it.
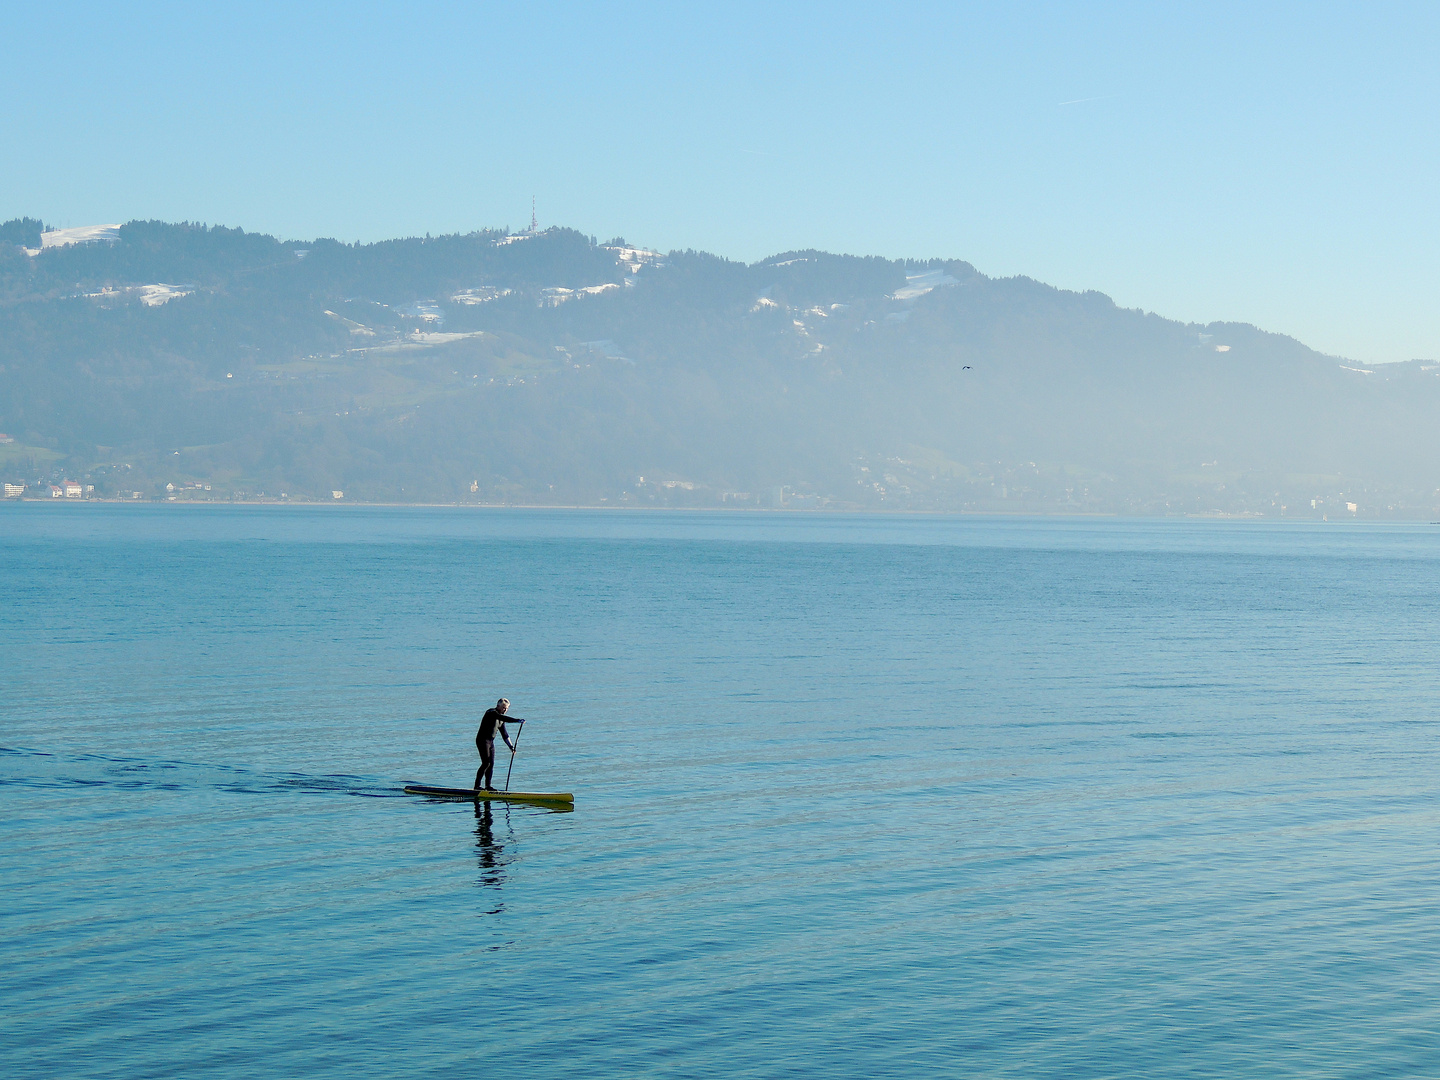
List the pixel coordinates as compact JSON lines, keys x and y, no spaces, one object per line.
{"x":187,"y":362}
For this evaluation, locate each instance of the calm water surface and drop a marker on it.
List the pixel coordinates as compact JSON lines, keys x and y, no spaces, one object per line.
{"x":854,"y":796}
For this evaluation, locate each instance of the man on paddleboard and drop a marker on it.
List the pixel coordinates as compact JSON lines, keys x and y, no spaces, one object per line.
{"x":485,"y":740}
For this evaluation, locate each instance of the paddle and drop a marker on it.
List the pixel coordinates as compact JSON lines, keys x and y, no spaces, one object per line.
{"x":513,"y":747}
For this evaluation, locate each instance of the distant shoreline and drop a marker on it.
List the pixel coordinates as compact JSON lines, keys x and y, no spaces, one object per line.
{"x":349,"y":504}
{"x":798,"y":511}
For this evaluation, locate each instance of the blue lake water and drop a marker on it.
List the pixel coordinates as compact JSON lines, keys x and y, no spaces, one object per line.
{"x":855,"y":796}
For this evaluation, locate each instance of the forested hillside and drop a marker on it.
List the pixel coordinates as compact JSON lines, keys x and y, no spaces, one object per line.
{"x":192,"y":362}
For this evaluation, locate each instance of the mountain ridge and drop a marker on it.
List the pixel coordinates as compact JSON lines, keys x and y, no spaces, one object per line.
{"x":548,"y":367}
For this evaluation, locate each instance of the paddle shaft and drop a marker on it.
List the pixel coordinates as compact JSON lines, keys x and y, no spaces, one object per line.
{"x":513,"y":747}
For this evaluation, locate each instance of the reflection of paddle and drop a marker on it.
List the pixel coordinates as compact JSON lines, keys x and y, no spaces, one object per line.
{"x":513,"y":747}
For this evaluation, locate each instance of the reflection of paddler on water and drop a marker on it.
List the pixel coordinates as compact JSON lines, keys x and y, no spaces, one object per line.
{"x":493,"y":719}
{"x":495,"y":722}
{"x":491,"y":852}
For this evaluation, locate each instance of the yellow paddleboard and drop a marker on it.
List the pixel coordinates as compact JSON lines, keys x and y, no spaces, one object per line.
{"x":555,"y":798}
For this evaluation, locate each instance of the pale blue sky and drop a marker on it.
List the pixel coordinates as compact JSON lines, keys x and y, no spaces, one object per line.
{"x":1269,"y":163}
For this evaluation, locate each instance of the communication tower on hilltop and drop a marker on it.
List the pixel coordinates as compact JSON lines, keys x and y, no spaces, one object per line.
{"x":534,"y":225}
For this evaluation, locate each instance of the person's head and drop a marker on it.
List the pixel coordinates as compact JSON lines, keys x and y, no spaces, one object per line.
{"x":502,"y":705}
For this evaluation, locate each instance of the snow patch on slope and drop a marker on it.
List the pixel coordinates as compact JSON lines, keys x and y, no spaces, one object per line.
{"x":633,"y":258}
{"x":81,"y":234}
{"x":429,"y":338}
{"x":558,"y":295}
{"x":149,"y":295}
{"x":426,"y":310}
{"x":478,"y":295}
{"x":160,"y":293}
{"x":917,"y":285}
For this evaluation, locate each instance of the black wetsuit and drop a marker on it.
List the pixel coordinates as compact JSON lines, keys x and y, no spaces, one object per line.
{"x":485,"y":743}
